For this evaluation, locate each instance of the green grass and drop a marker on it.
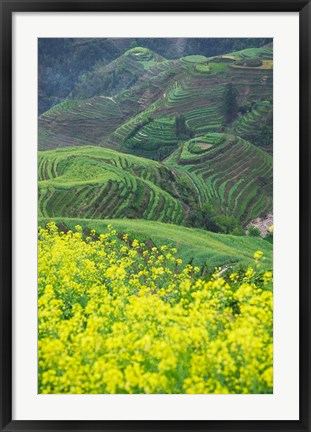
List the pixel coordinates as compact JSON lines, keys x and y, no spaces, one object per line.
{"x":197,"y":246}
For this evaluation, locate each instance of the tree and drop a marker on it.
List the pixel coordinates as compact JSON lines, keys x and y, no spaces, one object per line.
{"x":220,"y":223}
{"x":253,"y":231}
{"x":230,"y":103}
{"x":182,"y":131}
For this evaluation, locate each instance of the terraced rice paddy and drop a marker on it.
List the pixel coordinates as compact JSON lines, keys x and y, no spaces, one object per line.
{"x":79,"y":122}
{"x":193,"y":86}
{"x":236,"y":187}
{"x":97,"y":183}
{"x":227,"y":170}
{"x":157,"y":134}
{"x":256,"y":125}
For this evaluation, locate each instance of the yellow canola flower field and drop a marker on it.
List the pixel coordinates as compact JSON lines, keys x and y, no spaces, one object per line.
{"x":117,"y":317}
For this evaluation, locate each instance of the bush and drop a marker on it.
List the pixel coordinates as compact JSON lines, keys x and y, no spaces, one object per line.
{"x":182,"y":131}
{"x":230,"y":103}
{"x":253,"y":231}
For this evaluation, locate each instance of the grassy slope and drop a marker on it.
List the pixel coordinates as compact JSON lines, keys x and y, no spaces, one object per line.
{"x":193,"y":245}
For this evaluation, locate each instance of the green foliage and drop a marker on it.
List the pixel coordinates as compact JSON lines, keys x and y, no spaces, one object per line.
{"x":194,"y":59}
{"x":220,"y":223}
{"x":257,"y":53}
{"x":215,"y":67}
{"x":269,"y":238}
{"x":148,"y":137}
{"x":62,"y":61}
{"x":146,"y":86}
{"x":137,"y":127}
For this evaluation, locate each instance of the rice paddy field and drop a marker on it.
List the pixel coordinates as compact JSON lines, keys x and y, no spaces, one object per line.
{"x":214,"y":164}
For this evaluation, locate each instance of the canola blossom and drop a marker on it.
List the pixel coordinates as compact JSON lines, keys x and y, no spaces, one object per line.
{"x":116,"y":316}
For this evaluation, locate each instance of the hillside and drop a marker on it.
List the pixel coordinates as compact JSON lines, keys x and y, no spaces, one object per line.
{"x":64,"y":61}
{"x":233,"y":175}
{"x":256,"y":125}
{"x":207,"y":121}
{"x":141,"y":118}
{"x":93,"y":182}
{"x":89,"y":121}
{"x":132,"y":67}
{"x":199,"y":92}
{"x":195,"y":246}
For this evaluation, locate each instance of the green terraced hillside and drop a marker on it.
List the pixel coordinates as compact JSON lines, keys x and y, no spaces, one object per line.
{"x":256,"y":125}
{"x":230,"y":173}
{"x":133,"y":66}
{"x":194,"y":246}
{"x":141,"y":118}
{"x":93,"y":182}
{"x":162,"y":147}
{"x":199,"y":95}
{"x":89,"y":121}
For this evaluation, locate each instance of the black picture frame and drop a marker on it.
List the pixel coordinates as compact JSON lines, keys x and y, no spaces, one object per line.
{"x":7,"y":9}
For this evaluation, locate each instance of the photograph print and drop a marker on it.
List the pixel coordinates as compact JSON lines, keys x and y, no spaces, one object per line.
{"x":155,"y":216}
